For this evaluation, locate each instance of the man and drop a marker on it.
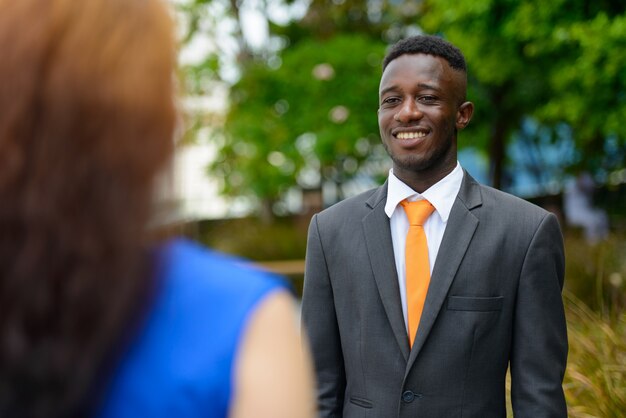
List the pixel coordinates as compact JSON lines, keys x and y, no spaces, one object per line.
{"x":423,"y":320}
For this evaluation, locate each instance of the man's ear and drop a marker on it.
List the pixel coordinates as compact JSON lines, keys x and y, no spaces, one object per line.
{"x":464,"y":115}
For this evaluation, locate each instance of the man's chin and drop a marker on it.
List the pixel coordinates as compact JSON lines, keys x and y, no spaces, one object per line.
{"x":410,"y":163}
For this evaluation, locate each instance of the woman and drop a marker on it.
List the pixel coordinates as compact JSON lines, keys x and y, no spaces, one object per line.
{"x":95,"y":320}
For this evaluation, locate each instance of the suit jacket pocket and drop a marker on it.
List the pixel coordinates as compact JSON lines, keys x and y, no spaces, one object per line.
{"x":463,"y":303}
{"x":363,"y":403}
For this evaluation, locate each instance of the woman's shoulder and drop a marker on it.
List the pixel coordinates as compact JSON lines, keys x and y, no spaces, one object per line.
{"x":191,"y":267}
{"x":181,"y":360}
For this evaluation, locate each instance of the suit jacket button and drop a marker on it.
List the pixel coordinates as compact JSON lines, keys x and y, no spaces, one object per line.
{"x":408,"y":396}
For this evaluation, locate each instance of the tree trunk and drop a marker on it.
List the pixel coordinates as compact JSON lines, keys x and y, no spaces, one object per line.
{"x":266,"y":211}
{"x":496,"y":152}
{"x":498,"y":138}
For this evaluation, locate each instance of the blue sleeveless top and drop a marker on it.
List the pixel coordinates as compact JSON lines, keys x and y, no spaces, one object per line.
{"x":181,"y":363}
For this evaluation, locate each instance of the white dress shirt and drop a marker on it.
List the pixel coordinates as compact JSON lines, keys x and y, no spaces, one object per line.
{"x":442,"y":196}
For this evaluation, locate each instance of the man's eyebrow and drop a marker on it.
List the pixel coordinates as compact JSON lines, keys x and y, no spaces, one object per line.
{"x":423,"y":86}
{"x":426,"y":86}
{"x":387,"y":90}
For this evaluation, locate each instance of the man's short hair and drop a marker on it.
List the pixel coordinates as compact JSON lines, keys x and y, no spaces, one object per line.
{"x":430,"y":45}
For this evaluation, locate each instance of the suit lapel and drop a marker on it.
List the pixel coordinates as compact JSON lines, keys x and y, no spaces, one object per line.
{"x":456,"y":239}
{"x":380,"y":250}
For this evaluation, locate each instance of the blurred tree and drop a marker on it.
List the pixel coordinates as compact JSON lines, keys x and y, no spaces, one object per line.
{"x":311,"y":119}
{"x":305,"y":115}
{"x":302,"y":110}
{"x":560,"y":61}
{"x":589,"y":86}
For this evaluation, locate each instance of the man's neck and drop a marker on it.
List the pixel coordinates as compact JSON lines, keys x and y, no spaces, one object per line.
{"x":420,"y":181}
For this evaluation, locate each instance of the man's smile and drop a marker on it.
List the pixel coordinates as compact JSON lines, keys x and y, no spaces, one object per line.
{"x":410,"y":135}
{"x":410,"y":132}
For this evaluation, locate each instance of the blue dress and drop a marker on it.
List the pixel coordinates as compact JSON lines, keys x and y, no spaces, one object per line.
{"x":181,"y":363}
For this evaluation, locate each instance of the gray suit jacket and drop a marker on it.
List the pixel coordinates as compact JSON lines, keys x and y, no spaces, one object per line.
{"x":494,"y":300}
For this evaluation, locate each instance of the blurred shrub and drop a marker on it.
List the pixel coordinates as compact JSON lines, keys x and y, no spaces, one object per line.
{"x":596,"y":274}
{"x":282,"y":239}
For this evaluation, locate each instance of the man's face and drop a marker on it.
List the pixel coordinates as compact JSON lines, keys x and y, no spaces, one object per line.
{"x":420,"y":109}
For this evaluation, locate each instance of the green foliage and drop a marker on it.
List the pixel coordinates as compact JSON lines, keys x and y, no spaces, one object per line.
{"x":558,"y":61}
{"x":311,"y":118}
{"x":590,"y":89}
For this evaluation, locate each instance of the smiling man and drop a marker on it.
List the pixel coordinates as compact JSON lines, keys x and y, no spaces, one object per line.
{"x":419,"y":294}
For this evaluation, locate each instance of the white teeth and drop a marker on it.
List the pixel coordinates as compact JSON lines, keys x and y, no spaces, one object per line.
{"x":411,"y":135}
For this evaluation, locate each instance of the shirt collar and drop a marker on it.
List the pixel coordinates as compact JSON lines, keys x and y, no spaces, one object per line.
{"x":441,"y":194}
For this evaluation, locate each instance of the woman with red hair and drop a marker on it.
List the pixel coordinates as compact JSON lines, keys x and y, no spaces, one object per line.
{"x":95,"y":318}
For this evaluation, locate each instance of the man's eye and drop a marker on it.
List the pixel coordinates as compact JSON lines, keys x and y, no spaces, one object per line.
{"x":427,"y":99}
{"x":391,"y":100}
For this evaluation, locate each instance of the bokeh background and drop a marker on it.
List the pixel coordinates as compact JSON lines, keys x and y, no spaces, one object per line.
{"x":279,"y":121}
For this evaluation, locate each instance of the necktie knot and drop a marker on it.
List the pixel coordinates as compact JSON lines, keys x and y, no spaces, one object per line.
{"x":417,"y":212}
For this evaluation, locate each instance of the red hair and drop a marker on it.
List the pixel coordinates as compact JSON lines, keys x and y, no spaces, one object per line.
{"x":86,"y":122}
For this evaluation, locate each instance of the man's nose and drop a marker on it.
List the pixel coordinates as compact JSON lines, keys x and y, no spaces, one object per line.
{"x":409,"y":111}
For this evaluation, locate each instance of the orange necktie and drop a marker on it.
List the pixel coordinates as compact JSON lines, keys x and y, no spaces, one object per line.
{"x":417,"y":264}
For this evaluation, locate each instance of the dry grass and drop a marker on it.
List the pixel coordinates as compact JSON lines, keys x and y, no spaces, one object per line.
{"x":595,"y":382}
